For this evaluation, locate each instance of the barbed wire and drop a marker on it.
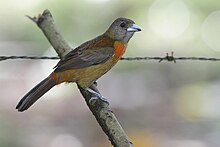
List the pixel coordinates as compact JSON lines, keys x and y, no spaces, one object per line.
{"x":27,"y":57}
{"x":166,"y":58}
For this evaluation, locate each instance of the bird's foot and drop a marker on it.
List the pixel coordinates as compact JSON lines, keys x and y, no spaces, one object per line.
{"x":96,"y":96}
{"x":102,"y":98}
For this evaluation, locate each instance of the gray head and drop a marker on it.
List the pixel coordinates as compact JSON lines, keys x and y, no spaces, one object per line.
{"x":122,"y":29}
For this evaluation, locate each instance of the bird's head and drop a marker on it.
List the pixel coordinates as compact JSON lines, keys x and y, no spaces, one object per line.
{"x":122,"y":29}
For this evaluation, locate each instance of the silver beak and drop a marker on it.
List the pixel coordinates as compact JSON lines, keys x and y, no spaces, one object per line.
{"x":134,"y":28}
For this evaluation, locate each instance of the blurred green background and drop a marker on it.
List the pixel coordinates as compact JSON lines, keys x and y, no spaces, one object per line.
{"x":158,"y":104}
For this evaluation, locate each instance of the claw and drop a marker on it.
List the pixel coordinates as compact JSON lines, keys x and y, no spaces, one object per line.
{"x":102,"y":98}
{"x":96,"y":96}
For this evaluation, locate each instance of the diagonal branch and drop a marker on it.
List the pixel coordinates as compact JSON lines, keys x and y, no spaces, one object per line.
{"x":100,"y":110}
{"x":46,"y":23}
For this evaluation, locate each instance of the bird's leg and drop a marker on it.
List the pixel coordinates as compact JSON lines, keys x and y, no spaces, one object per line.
{"x":94,"y":91}
{"x":96,"y":94}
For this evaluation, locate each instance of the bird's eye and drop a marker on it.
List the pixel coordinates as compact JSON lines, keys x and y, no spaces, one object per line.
{"x":122,"y":24}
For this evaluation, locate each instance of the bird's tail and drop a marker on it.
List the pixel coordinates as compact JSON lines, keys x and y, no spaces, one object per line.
{"x":35,"y":93}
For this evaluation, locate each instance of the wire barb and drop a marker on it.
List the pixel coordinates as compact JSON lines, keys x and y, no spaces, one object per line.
{"x":168,"y":57}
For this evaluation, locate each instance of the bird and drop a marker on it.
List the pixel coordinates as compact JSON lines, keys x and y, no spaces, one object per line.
{"x":87,"y":62}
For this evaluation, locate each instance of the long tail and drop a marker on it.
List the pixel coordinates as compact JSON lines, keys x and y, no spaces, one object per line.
{"x":35,"y":93}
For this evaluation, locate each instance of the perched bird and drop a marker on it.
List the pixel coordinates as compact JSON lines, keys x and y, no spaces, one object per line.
{"x":86,"y":63}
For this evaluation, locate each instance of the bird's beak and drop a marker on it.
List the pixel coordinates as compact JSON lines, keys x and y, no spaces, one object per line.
{"x":134,"y":28}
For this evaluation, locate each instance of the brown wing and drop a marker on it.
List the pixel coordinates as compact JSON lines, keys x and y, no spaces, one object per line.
{"x":85,"y":56}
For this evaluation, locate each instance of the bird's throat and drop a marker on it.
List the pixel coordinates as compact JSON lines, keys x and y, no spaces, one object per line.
{"x":119,"y":49}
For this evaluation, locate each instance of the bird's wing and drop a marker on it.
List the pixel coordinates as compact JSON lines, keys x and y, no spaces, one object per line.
{"x":83,"y":57}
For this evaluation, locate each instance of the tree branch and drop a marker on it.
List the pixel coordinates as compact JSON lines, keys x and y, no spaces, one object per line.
{"x":46,"y":23}
{"x":100,"y":109}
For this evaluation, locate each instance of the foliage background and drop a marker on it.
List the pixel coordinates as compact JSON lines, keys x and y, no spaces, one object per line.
{"x":159,"y":105}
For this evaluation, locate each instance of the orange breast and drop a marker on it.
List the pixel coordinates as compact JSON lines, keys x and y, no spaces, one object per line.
{"x":119,"y":49}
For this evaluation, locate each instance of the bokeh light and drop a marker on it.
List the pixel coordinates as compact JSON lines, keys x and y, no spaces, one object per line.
{"x":169,"y":18}
{"x":65,"y":140}
{"x":211,"y":30}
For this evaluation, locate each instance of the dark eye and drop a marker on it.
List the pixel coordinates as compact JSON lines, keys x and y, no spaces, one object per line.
{"x":122,"y":24}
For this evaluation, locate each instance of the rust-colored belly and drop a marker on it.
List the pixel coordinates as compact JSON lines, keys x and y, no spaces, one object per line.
{"x":86,"y":76}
